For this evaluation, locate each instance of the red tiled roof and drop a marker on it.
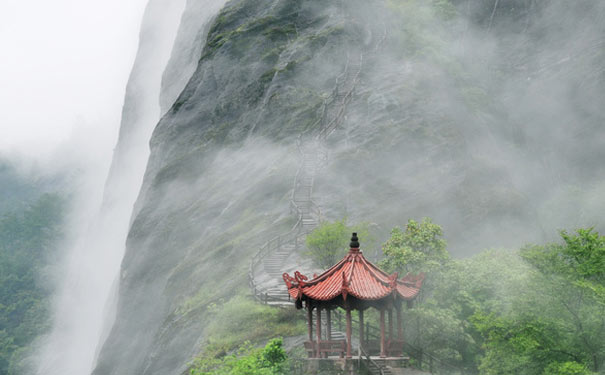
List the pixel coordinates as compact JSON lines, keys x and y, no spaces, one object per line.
{"x":353,"y":275}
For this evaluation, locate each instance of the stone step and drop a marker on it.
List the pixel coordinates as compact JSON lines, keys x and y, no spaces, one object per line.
{"x":274,"y":271}
{"x":278,"y":256}
{"x":275,"y":259}
{"x":273,"y":267}
{"x":278,"y":290}
{"x":281,"y":297}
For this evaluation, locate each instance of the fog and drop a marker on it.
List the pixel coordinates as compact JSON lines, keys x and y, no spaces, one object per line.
{"x":63,"y":68}
{"x":488,"y":123}
{"x":63,"y":74}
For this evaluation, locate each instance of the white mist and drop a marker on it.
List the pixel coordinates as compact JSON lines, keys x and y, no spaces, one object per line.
{"x":100,"y":220}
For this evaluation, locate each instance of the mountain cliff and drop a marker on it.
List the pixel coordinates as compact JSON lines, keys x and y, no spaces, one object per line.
{"x":472,"y":115}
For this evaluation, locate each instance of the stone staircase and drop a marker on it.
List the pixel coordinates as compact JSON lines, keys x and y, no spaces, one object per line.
{"x":303,"y":190}
{"x":267,"y":266}
{"x":342,"y":95}
{"x":376,"y":369}
{"x":273,"y":266}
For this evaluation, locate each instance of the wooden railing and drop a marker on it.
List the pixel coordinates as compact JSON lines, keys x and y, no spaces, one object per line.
{"x":425,"y":360}
{"x":293,"y":236}
{"x":332,"y":124}
{"x":370,"y":365}
{"x":431,"y":362}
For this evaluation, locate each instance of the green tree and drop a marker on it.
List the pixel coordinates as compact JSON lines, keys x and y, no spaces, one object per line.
{"x":557,"y":321}
{"x":329,"y":242}
{"x":442,"y":324}
{"x":419,"y":248}
{"x":28,"y":239}
{"x":580,"y":259}
{"x":270,"y":360}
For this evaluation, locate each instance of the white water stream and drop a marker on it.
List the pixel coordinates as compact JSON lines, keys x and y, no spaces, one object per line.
{"x":83,"y":307}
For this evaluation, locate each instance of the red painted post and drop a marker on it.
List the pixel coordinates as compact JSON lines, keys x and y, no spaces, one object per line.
{"x":390,"y":312}
{"x":349,"y":334}
{"x":310,"y":322}
{"x":382,"y":339}
{"x":318,"y":322}
{"x":361,"y":327}
{"x":399,"y":323}
{"x":329,"y":325}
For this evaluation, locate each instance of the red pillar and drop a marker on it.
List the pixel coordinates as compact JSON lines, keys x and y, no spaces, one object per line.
{"x":361,"y":327}
{"x":349,"y":328}
{"x":310,"y":322}
{"x":390,"y":312}
{"x":318,"y":321}
{"x":399,"y":323}
{"x":329,"y":325}
{"x":382,"y":338}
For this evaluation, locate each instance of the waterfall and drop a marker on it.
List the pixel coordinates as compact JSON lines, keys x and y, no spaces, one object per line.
{"x":83,"y":305}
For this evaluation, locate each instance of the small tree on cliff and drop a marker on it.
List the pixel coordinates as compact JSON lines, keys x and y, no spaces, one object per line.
{"x":328,"y":243}
{"x":419,"y":248}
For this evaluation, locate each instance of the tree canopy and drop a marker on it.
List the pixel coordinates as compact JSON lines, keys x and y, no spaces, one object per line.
{"x":28,"y":240}
{"x":419,"y":248}
{"x":329,"y":242}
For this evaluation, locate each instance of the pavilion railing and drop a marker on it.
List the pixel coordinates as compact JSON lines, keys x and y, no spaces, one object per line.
{"x":425,"y":360}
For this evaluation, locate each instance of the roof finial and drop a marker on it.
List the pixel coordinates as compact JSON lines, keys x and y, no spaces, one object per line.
{"x":354,"y":241}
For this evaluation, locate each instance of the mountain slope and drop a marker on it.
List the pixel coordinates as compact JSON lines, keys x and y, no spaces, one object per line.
{"x":444,"y":122}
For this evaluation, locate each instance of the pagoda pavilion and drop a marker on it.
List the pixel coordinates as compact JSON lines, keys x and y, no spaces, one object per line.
{"x":354,"y":283}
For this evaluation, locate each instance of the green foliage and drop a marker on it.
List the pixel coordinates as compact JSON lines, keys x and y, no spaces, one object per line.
{"x":442,"y":324}
{"x":419,"y":248}
{"x":566,"y":368}
{"x":27,"y":242}
{"x":242,"y":319}
{"x":329,"y":242}
{"x":270,"y":360}
{"x":557,"y":322}
{"x":580,"y":260}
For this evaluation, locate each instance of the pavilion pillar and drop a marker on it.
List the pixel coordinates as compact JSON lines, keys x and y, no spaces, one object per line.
{"x":310,"y":322}
{"x":349,"y":329}
{"x":329,"y":325}
{"x":318,"y":321}
{"x":383,"y":348}
{"x":361,"y":333}
{"x":390,"y":315}
{"x":399,"y":323}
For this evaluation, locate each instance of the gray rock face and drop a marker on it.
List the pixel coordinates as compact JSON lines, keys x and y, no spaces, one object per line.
{"x":140,"y":114}
{"x":216,"y":156}
{"x":456,"y":127}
